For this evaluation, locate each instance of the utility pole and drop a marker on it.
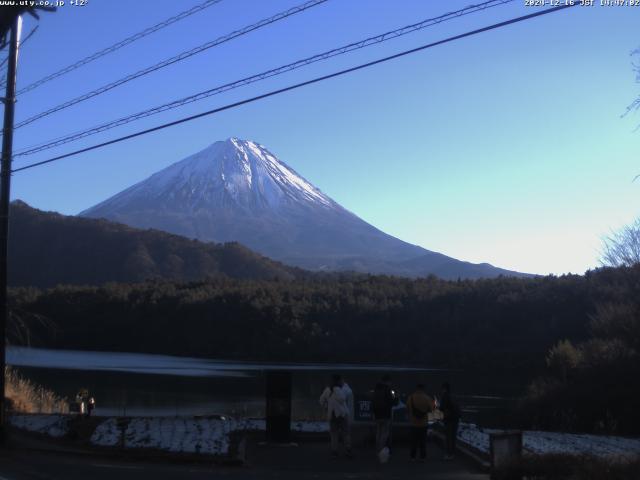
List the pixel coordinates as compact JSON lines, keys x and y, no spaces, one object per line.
{"x":5,"y":190}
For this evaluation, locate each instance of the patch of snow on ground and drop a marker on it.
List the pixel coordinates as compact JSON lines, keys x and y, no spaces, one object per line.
{"x":51,"y":425}
{"x":174,"y":434}
{"x":180,"y":434}
{"x":107,"y":434}
{"x":474,"y":436}
{"x":209,"y":436}
{"x":574,"y":444}
{"x":540,"y":443}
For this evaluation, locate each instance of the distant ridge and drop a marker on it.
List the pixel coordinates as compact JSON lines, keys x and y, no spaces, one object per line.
{"x":236,"y":190}
{"x":46,"y":249}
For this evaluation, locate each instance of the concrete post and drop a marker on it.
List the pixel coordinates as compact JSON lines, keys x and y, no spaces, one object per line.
{"x":506,"y":455}
{"x":278,"y":406}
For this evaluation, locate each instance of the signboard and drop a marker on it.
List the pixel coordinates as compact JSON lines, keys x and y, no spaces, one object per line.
{"x":363,"y":409}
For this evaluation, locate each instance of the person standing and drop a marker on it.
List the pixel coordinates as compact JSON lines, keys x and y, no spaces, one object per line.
{"x":82,"y":398}
{"x":419,"y":405}
{"x":334,"y":398}
{"x":348,"y":396}
{"x":383,"y":400}
{"x":451,"y":417}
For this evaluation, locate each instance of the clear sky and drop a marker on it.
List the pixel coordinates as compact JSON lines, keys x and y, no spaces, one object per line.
{"x":507,"y":147}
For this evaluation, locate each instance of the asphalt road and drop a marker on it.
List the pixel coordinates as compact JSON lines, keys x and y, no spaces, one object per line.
{"x":308,"y":461}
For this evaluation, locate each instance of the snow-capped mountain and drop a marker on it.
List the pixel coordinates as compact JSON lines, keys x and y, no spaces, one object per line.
{"x":236,"y":190}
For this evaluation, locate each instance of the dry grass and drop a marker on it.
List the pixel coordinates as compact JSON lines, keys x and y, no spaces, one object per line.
{"x":24,"y":396}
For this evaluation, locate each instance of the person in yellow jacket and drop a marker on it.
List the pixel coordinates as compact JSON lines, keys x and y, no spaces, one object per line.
{"x":419,"y":405}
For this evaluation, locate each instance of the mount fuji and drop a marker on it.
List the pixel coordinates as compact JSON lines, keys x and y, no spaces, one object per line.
{"x":236,"y":190}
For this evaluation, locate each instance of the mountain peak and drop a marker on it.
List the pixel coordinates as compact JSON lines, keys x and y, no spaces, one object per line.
{"x":231,"y":174}
{"x":236,"y":141}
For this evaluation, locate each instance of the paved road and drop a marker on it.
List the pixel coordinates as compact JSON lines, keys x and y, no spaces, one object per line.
{"x":307,"y":461}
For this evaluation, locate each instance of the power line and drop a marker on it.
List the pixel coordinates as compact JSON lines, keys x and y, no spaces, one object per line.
{"x":177,"y":58}
{"x":119,"y":45}
{"x":3,"y":82}
{"x":30,"y":34}
{"x":298,"y":85}
{"x":260,"y":76}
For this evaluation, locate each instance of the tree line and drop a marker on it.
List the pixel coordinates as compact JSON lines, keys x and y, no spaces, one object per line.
{"x":501,"y":322}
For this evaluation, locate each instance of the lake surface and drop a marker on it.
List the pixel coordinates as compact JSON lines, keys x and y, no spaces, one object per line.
{"x":132,"y":384}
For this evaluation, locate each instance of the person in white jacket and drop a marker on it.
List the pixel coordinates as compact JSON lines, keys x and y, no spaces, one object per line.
{"x":338,"y":400}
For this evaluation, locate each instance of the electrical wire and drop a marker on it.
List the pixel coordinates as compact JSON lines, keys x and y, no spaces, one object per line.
{"x":22,"y":43}
{"x":260,"y":76}
{"x":170,"y":61}
{"x":296,"y":86}
{"x":105,"y":51}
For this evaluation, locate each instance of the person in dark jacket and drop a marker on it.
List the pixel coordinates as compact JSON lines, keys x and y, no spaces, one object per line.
{"x":451,"y":418}
{"x":383,"y":401}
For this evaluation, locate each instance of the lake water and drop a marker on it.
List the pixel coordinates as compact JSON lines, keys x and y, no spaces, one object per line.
{"x":131,"y":384}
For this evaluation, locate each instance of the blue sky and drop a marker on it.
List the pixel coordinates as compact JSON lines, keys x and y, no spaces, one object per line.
{"x":507,"y":147}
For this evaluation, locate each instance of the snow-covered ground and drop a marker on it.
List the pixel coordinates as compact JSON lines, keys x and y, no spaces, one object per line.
{"x":177,"y":434}
{"x":540,"y":443}
{"x":210,"y":436}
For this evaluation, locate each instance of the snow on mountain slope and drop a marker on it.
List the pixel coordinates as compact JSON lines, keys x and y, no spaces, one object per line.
{"x":236,"y":190}
{"x":240,"y":171}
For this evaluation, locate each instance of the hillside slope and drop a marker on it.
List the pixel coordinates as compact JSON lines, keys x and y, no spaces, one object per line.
{"x":46,"y":249}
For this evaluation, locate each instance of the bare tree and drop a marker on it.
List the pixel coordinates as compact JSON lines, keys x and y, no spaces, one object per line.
{"x":635,"y":62}
{"x":562,"y":358}
{"x":622,"y":248}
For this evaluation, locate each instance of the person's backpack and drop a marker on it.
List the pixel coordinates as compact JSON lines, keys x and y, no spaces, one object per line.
{"x":418,"y":413}
{"x":380,"y":403}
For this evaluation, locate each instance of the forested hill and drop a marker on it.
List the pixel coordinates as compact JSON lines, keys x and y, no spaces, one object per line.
{"x":484,"y":324}
{"x":47,"y":249}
